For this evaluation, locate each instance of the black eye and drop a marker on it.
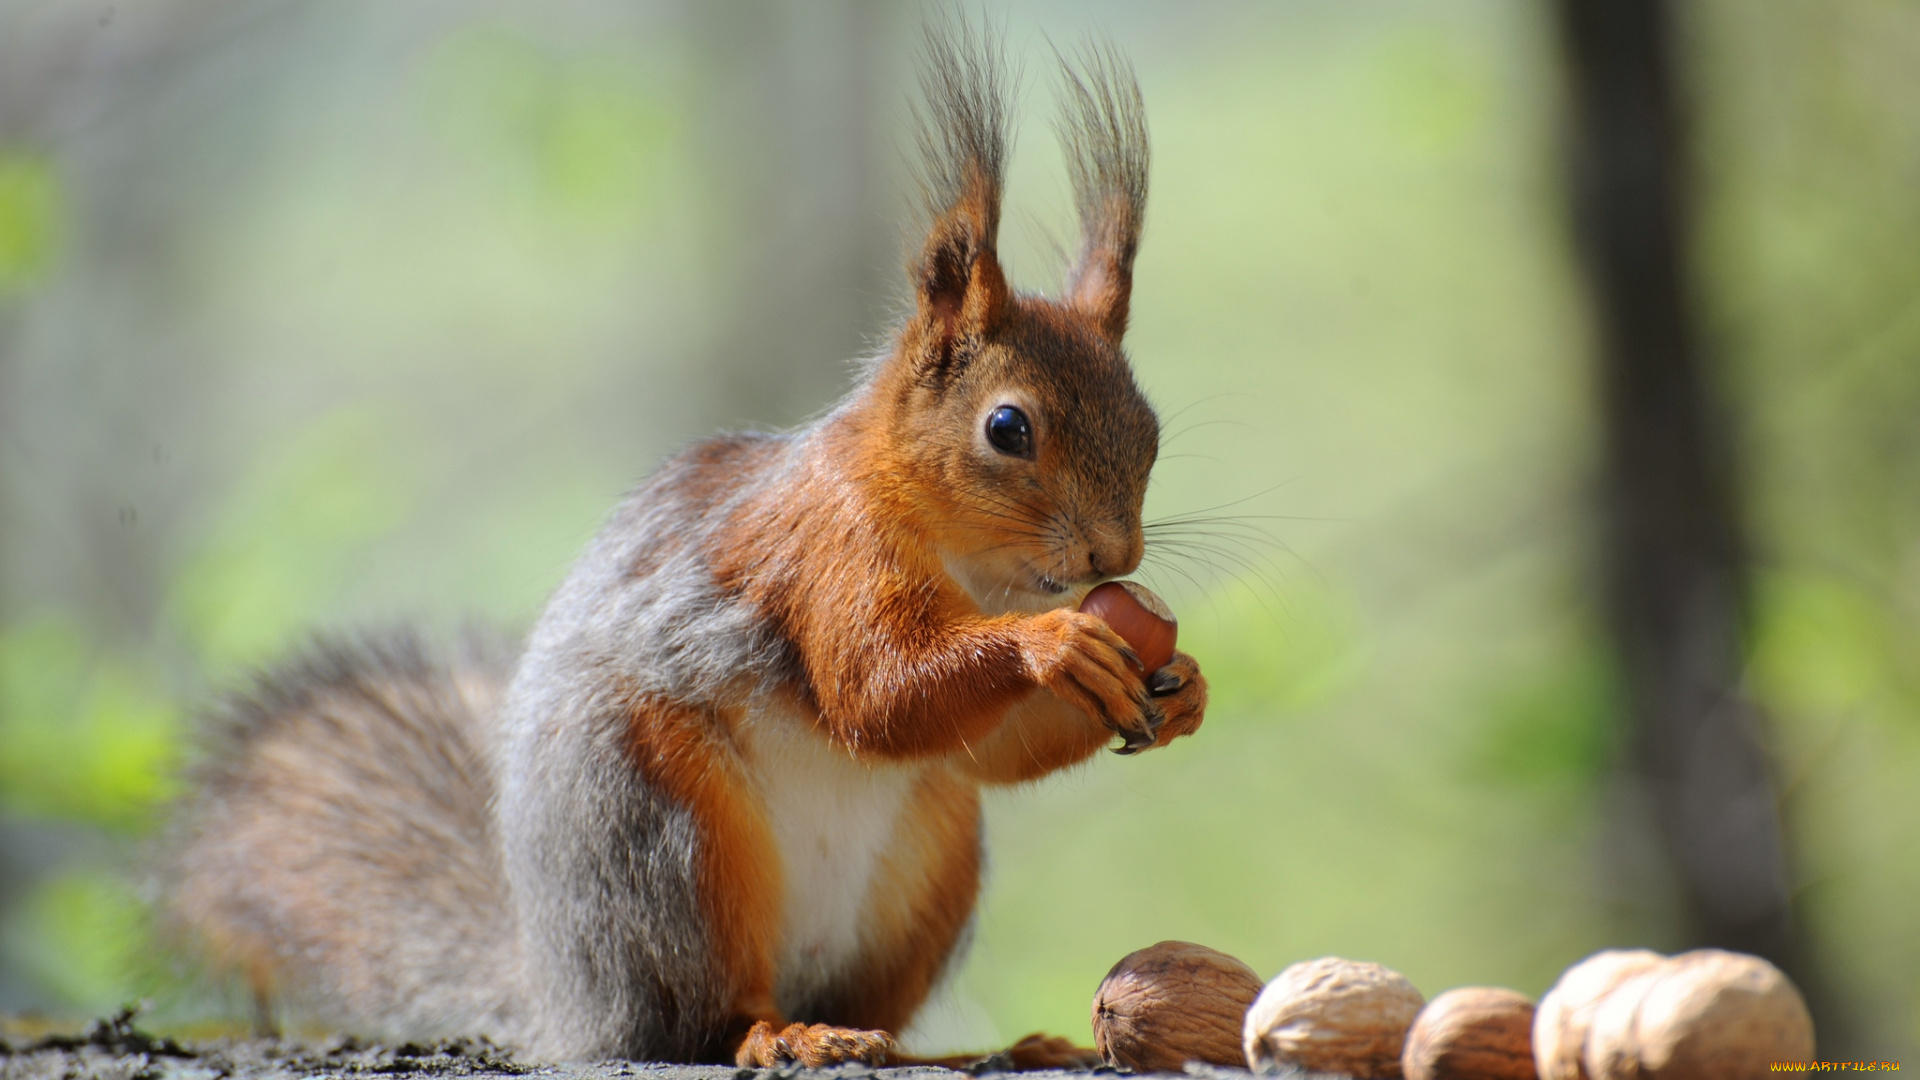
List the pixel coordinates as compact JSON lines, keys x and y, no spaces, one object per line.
{"x":1009,"y":431}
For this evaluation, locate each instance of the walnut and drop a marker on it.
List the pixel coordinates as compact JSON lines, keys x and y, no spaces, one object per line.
{"x":1702,"y":1015}
{"x":1611,"y":1050}
{"x":1473,"y":1033}
{"x":1172,"y":1003}
{"x":1560,"y":1025}
{"x":1332,"y":1015}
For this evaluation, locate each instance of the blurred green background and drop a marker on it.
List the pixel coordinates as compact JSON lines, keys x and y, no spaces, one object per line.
{"x":324,"y":315}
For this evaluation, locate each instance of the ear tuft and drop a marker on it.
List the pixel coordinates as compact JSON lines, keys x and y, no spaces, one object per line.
{"x":1104,"y":132}
{"x":962,"y":135}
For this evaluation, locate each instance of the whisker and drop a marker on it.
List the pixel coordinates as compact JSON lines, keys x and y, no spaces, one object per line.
{"x":1234,"y":502}
{"x":1217,"y":568}
{"x":1172,"y":567}
{"x":1168,"y":439}
{"x":1223,"y":528}
{"x":1002,"y":501}
{"x":997,"y":529}
{"x":1191,"y":405}
{"x":1209,"y":519}
{"x":1253,"y":540}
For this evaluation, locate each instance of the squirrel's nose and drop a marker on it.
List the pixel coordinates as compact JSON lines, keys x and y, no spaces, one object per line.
{"x":1115,"y":555}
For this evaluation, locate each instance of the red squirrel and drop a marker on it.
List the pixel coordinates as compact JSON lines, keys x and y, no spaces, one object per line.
{"x":725,"y":805}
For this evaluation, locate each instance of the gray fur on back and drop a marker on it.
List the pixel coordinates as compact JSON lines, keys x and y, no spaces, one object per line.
{"x":602,"y":869}
{"x":420,"y":846}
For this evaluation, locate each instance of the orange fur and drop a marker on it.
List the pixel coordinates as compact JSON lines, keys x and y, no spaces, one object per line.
{"x":1042,"y":735}
{"x":687,"y":755}
{"x":895,"y":664}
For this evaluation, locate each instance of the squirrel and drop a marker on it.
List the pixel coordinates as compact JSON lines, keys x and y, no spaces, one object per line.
{"x":725,"y":805}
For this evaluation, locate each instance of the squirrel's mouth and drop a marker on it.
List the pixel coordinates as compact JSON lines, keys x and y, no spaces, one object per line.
{"x":1046,"y":584}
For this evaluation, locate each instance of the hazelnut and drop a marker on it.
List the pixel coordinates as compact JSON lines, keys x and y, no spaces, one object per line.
{"x":1703,"y":1015}
{"x":1332,"y":1015}
{"x":1172,"y":1003}
{"x":1473,"y":1033}
{"x":1138,"y":616}
{"x":1560,"y":1025}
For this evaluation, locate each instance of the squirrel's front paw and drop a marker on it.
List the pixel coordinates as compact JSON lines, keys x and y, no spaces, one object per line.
{"x":1181,"y":693}
{"x":815,"y":1046}
{"x":1084,"y":663}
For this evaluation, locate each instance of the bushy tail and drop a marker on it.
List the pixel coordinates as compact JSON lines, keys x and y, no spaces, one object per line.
{"x":337,"y":850}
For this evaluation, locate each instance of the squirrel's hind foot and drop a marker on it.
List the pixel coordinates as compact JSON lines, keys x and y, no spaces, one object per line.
{"x":813,"y":1045}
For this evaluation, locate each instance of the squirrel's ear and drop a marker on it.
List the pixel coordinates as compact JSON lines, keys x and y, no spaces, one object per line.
{"x":1104,"y":132}
{"x":960,"y":291}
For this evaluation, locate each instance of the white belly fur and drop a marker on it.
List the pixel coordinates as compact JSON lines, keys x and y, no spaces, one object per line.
{"x":833,"y":819}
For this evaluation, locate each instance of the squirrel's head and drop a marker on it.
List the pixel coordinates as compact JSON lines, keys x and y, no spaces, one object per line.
{"x":1016,"y":417}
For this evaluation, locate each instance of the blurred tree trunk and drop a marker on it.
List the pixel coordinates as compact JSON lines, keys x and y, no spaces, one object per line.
{"x":798,"y":141}
{"x":1674,"y":560}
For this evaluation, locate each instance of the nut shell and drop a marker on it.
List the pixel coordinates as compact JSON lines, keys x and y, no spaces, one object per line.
{"x":1333,"y":1015}
{"x":1140,"y":617}
{"x":1473,"y":1033}
{"x":1612,"y":1047}
{"x":1172,"y":1003}
{"x":1703,"y":1015}
{"x":1560,"y":1025}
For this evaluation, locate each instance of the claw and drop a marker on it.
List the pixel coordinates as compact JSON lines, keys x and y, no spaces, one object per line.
{"x":1132,"y":742}
{"x":1164,"y":683}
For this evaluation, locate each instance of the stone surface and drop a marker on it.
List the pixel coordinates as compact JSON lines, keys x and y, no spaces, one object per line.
{"x":115,"y":1049}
